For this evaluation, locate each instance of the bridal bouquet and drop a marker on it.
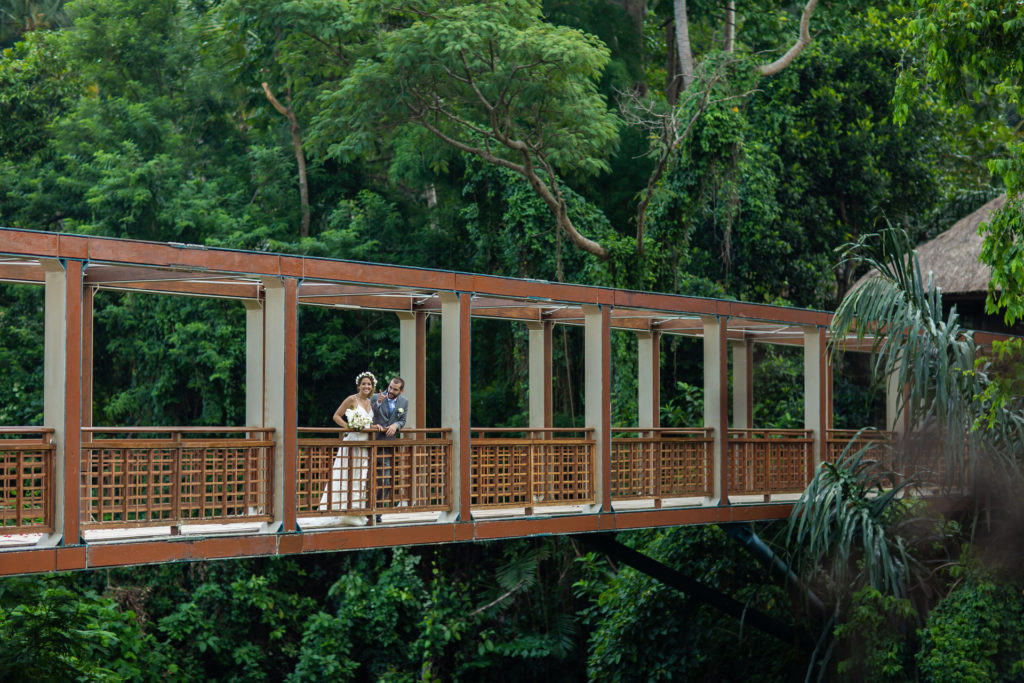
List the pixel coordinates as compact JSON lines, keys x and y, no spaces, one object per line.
{"x":357,"y":420}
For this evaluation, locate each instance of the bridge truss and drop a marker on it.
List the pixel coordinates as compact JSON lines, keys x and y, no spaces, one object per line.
{"x":74,"y":495}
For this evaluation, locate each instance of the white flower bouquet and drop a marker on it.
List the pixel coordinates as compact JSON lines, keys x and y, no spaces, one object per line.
{"x":357,"y":420}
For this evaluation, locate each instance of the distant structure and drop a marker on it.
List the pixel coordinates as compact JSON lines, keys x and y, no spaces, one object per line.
{"x":953,"y":259}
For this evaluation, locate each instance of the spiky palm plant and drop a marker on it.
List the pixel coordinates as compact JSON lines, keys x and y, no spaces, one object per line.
{"x":933,"y":357}
{"x":839,"y":528}
{"x":843,"y":531}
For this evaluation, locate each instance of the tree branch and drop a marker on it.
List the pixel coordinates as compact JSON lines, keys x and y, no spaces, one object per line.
{"x":802,"y":41}
{"x":553,"y":199}
{"x":300,"y":158}
{"x":668,"y":130}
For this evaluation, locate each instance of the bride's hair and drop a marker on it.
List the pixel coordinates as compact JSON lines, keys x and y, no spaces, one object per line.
{"x":361,"y":375}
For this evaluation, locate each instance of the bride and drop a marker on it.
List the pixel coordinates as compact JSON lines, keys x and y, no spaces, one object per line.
{"x":347,"y":488}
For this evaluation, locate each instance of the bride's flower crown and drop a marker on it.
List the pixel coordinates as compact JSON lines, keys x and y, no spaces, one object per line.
{"x":361,"y":375}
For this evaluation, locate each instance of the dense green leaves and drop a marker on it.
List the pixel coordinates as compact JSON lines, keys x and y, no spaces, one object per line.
{"x":976,"y":634}
{"x":969,"y":55}
{"x":477,"y":136}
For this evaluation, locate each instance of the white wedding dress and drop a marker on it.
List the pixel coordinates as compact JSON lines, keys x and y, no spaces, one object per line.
{"x":347,"y":487}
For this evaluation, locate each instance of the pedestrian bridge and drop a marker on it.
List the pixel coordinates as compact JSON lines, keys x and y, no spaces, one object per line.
{"x":74,"y":495}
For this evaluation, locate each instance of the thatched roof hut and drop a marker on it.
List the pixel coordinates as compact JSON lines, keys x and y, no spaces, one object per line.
{"x":953,"y":260}
{"x":952,"y":257}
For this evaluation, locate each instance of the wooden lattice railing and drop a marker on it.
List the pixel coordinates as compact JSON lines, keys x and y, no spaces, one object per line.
{"x":523,"y":468}
{"x":26,"y":479}
{"x":764,"y":461}
{"x":836,"y":441}
{"x":156,"y":476}
{"x":409,"y":474}
{"x":661,"y":463}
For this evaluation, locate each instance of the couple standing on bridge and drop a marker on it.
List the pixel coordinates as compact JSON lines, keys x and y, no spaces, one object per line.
{"x":364,"y":412}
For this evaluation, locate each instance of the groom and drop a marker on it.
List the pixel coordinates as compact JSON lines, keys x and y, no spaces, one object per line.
{"x":390,"y":410}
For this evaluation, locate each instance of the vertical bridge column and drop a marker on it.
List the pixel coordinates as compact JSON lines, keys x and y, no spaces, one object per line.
{"x":455,"y":357}
{"x":648,"y":379}
{"x":540,"y":373}
{"x":815,"y":394}
{"x":597,"y":397}
{"x":716,"y":402}
{"x":62,"y":394}
{"x":539,"y":391}
{"x":412,"y":364}
{"x":280,"y":391}
{"x":742,"y":384}
{"x":253,"y":363}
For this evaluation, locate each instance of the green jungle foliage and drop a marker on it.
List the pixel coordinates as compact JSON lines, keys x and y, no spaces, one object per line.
{"x":162,"y":120}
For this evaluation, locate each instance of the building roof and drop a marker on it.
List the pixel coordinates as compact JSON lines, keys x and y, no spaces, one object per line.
{"x":952,"y":257}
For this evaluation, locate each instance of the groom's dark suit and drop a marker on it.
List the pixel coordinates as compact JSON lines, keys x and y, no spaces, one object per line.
{"x":385,"y":416}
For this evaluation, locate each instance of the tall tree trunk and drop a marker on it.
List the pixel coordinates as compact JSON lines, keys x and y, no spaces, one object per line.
{"x":683,"y":42}
{"x":729,"y":44}
{"x":673,"y":79}
{"x":300,"y":158}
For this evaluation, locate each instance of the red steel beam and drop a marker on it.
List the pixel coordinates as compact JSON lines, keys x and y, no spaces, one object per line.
{"x":96,"y":555}
{"x":203,"y":259}
{"x":21,"y":271}
{"x":71,"y":496}
{"x":723,"y":402}
{"x":289,"y":439}
{"x":465,"y":453}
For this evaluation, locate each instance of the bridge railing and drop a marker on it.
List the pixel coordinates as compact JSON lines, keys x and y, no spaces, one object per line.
{"x":158,"y":476}
{"x":767,"y":461}
{"x":26,"y":479}
{"x":518,"y":467}
{"x":836,"y":441}
{"x":409,"y":474}
{"x":661,"y":463}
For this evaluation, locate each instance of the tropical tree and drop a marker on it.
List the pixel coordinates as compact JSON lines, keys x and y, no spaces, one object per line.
{"x":967,"y":55}
{"x":18,"y":17}
{"x":491,"y":79}
{"x":932,"y":356}
{"x":850,"y":531}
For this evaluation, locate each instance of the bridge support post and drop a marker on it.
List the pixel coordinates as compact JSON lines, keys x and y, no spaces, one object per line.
{"x":62,"y":393}
{"x":716,"y":401}
{"x":648,"y":379}
{"x":253,"y":363}
{"x":412,"y":333}
{"x":540,"y":334}
{"x":742,"y":384}
{"x":280,"y":392}
{"x":88,"y":294}
{"x":455,"y":350}
{"x":816,"y":394}
{"x":597,"y":397}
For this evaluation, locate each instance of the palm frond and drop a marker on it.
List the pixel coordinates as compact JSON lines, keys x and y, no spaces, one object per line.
{"x":840,"y":522}
{"x":932,"y":357}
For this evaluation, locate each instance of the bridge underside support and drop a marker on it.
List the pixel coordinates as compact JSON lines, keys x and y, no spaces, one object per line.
{"x":694,"y":589}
